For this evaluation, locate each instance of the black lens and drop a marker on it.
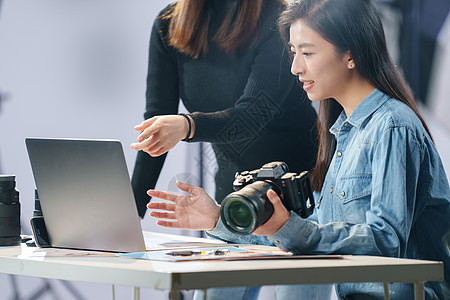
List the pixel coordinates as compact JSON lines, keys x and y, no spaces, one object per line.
{"x":245,"y":210}
{"x":239,"y":214}
{"x":7,"y":189}
{"x":9,"y":211}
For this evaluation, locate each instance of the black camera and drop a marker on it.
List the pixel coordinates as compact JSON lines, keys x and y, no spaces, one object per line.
{"x":248,"y":207}
{"x":9,"y":211}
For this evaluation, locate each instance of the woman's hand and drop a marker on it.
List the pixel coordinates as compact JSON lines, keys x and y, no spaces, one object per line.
{"x":196,"y":211}
{"x":161,"y":133}
{"x":277,"y":220}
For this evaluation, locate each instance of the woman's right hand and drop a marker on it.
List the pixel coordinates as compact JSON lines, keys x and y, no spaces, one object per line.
{"x":196,"y":211}
{"x":162,"y":133}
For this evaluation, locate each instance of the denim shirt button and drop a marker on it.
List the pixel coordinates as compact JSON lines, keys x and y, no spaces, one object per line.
{"x":339,"y":154}
{"x":342,"y":193}
{"x":331,"y":190}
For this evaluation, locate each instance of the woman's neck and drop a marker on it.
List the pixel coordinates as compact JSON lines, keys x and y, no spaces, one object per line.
{"x":357,"y":90}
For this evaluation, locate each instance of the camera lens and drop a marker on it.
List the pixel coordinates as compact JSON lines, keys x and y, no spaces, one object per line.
{"x":7,"y":189}
{"x":245,"y":210}
{"x":241,"y":213}
{"x":9,"y":212}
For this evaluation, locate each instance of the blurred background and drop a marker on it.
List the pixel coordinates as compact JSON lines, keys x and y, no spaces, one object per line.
{"x":78,"y":69}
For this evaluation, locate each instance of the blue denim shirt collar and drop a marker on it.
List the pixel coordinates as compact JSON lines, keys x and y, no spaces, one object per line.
{"x":366,"y":108}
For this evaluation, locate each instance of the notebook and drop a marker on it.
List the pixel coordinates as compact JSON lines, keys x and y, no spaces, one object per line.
{"x":85,"y":194}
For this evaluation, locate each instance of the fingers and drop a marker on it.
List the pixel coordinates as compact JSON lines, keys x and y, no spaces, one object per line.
{"x":150,"y":150}
{"x":161,"y":206}
{"x":145,"y":124}
{"x":153,"y":145}
{"x":148,"y":132}
{"x":274,"y":198}
{"x":160,"y":134}
{"x":163,"y":195}
{"x":158,"y":152}
{"x":146,"y":144}
{"x":145,"y":140}
{"x":278,"y":206}
{"x":186,"y":187}
{"x":163,"y":215}
{"x":168,"y":215}
{"x":277,"y":220}
{"x":168,"y":224}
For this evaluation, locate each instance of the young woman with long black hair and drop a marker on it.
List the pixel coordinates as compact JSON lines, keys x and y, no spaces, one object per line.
{"x":383,"y":188}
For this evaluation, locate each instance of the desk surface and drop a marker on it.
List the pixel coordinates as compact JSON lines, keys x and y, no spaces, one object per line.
{"x":172,"y":276}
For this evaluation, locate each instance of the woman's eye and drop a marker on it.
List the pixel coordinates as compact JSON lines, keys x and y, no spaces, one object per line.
{"x":306,"y":53}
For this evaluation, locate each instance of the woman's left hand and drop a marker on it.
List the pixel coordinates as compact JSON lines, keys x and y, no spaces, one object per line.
{"x":196,"y":211}
{"x":161,"y":133}
{"x":277,"y":220}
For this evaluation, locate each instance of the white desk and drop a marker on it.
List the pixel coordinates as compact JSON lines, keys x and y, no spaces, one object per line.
{"x":175,"y":276}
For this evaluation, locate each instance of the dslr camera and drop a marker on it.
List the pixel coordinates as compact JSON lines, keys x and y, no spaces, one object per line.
{"x":248,"y":207}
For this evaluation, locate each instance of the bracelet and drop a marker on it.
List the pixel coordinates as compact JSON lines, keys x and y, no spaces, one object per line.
{"x":187,"y":139}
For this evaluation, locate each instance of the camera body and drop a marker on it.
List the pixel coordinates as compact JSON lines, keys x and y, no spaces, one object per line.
{"x":248,"y":207}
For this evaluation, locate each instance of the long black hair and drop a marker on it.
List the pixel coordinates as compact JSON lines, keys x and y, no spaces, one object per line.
{"x":189,"y":25}
{"x":355,"y":26}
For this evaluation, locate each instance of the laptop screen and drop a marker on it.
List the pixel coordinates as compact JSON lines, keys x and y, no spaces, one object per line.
{"x":85,"y":194}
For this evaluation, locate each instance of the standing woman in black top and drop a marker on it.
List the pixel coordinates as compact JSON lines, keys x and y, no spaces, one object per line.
{"x":228,"y":64}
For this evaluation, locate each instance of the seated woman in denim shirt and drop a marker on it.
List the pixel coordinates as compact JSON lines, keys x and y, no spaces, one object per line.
{"x":383,"y":188}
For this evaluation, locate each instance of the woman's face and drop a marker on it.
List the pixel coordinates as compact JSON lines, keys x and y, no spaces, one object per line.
{"x":323,"y":72}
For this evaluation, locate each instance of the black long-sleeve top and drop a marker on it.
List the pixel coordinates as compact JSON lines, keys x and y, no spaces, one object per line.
{"x":247,"y":105}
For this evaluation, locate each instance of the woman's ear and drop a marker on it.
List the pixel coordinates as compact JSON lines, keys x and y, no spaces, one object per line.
{"x":350,"y":62}
{"x":348,"y":59}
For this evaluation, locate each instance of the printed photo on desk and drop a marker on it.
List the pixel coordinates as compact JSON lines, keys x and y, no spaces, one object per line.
{"x":241,"y":252}
{"x":217,"y":253}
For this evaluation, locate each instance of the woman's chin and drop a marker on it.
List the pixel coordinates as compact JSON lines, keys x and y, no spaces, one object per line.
{"x":313,"y":97}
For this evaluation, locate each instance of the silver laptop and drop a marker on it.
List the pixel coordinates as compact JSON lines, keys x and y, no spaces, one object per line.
{"x":85,"y":194}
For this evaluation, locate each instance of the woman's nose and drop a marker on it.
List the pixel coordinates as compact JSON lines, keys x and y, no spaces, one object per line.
{"x":297,"y":67}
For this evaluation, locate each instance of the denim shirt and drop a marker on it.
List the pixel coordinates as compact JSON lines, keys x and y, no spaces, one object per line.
{"x":385,"y":194}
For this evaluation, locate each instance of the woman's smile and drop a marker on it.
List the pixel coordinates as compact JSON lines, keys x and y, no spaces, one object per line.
{"x":307,"y":85}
